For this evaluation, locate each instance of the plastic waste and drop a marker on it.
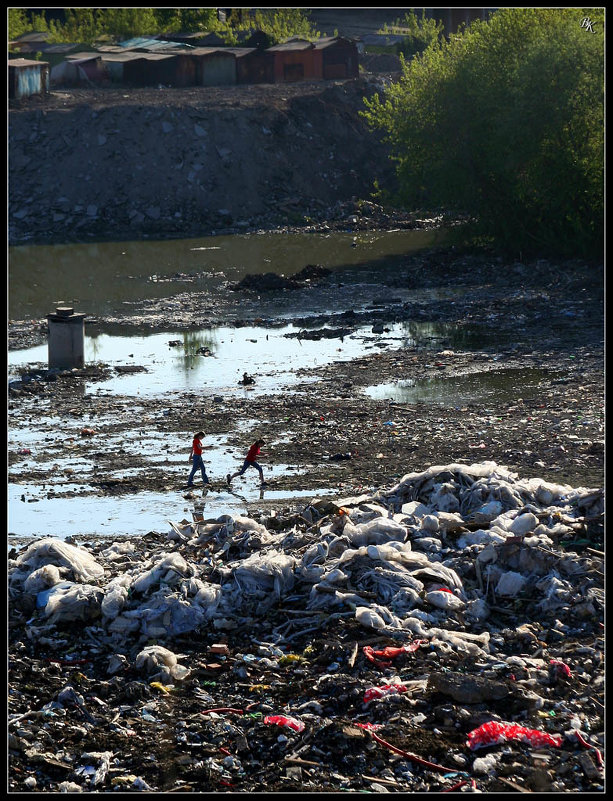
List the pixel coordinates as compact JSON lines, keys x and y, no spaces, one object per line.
{"x":169,"y":568}
{"x":67,"y":601}
{"x":485,"y":764}
{"x":384,"y":656}
{"x":494,"y":732}
{"x":444,"y":599}
{"x":524,"y":523}
{"x":284,"y":720}
{"x":41,"y":579}
{"x":58,"y":552}
{"x":263,"y":573}
{"x":368,"y":617}
{"x":560,"y":668}
{"x":152,"y":656}
{"x":510,"y":584}
{"x":385,"y":689}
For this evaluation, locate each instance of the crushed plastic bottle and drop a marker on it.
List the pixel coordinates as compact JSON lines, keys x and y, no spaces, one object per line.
{"x":494,"y":732}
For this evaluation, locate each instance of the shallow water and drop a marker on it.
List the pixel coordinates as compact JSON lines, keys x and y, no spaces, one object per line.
{"x":134,"y":514}
{"x":103,"y":278}
{"x":269,"y":354}
{"x":492,"y":386}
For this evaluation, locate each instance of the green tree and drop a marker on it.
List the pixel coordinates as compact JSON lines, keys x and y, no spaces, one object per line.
{"x":185,"y":20}
{"x":278,"y":23}
{"x":505,"y":123}
{"x":419,"y":32}
{"x":125,"y":23}
{"x":81,"y":25}
{"x":18,"y":22}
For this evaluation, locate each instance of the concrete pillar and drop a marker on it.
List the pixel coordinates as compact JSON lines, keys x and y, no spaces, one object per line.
{"x":66,"y":338}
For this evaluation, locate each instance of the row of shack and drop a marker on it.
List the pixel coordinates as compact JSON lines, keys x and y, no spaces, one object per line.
{"x":156,"y":62}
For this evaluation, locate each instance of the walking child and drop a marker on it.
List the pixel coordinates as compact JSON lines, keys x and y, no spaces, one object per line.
{"x":195,"y":457}
{"x":250,"y":461}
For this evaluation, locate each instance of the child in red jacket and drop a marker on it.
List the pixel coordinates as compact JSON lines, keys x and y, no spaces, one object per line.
{"x":250,"y":461}
{"x":196,"y":458}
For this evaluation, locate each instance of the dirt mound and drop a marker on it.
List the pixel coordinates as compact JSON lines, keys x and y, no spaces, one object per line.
{"x":122,"y":163}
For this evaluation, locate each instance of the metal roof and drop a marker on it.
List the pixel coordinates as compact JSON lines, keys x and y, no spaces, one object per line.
{"x":26,"y":62}
{"x":327,"y":41}
{"x":138,"y":41}
{"x":208,"y":51}
{"x":239,"y":52}
{"x":83,"y":55}
{"x":294,"y":45}
{"x":33,"y":36}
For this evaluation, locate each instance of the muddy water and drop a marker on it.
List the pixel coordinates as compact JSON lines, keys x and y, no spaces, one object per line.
{"x":105,"y":278}
{"x":496,"y":386}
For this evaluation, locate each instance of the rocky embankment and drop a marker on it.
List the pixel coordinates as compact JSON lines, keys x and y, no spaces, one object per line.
{"x":121,"y":163}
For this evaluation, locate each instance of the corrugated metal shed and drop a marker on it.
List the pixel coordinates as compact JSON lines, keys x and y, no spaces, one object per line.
{"x":253,"y":65}
{"x":81,"y":69}
{"x":296,"y":60}
{"x":33,"y":36}
{"x":214,"y":66}
{"x":187,"y":38}
{"x":168,"y":69}
{"x":27,"y":77}
{"x":137,"y":41}
{"x":340,"y":57}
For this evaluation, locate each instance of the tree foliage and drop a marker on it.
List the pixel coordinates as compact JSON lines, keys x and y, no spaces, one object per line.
{"x":419,"y":32}
{"x":278,"y":23}
{"x":18,"y":22}
{"x":505,"y":123}
{"x":87,"y":25}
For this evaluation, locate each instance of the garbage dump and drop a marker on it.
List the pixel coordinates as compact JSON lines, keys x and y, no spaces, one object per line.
{"x":445,"y":633}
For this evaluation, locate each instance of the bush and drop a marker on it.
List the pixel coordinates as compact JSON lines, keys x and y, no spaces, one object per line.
{"x":505,"y":123}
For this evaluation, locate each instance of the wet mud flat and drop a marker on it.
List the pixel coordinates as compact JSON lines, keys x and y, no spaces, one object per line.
{"x":441,"y":633}
{"x":536,"y":329}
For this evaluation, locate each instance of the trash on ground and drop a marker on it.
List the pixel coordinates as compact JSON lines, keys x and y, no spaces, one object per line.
{"x":373,"y":641}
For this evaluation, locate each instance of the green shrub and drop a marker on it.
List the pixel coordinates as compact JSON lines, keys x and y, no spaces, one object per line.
{"x":505,"y":123}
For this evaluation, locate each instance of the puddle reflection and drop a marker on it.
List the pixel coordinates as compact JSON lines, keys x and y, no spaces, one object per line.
{"x":131,"y":515}
{"x":494,"y":386}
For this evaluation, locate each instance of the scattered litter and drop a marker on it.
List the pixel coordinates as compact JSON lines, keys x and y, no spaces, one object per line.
{"x":394,"y":629}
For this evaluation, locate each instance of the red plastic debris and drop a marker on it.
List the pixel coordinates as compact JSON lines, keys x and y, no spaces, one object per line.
{"x":560,"y":668}
{"x":412,"y":757}
{"x":472,"y":782}
{"x":585,"y":743}
{"x":283,"y":720}
{"x":384,"y":656}
{"x":370,"y":726}
{"x":385,"y":689}
{"x":494,"y":732}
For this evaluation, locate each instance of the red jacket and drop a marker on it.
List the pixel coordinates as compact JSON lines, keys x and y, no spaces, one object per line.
{"x":254,"y":450}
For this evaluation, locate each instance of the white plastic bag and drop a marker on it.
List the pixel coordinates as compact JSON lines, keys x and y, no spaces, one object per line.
{"x":57,"y":552}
